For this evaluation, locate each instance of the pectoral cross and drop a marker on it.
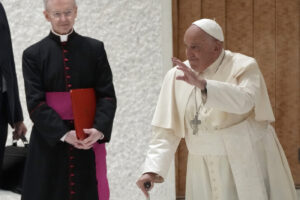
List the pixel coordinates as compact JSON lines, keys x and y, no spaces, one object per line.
{"x":195,"y":123}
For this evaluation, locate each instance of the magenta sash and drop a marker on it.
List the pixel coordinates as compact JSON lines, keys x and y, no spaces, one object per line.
{"x":101,"y":172}
{"x":61,"y":103}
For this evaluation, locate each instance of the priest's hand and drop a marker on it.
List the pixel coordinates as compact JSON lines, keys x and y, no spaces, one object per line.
{"x":20,"y":130}
{"x":151,"y":178}
{"x":189,"y":75}
{"x":93,"y":136}
{"x":71,"y":138}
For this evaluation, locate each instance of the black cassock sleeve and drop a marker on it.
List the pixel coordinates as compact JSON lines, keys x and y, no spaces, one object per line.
{"x":16,"y":114}
{"x":105,"y":94}
{"x":7,"y":64}
{"x":46,"y":121}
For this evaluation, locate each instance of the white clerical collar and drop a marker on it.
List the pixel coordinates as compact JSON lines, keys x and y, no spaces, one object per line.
{"x":63,"y":38}
{"x":213,"y":68}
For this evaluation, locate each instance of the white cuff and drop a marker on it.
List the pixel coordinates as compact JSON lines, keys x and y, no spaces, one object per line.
{"x":64,"y":137}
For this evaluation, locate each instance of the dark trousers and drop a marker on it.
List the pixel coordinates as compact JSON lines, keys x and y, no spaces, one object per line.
{"x":3,"y":127}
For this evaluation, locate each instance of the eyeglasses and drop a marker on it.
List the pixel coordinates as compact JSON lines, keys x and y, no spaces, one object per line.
{"x":58,"y":15}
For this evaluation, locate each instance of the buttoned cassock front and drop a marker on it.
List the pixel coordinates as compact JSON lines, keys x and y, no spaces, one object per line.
{"x":236,"y":153}
{"x":55,"y":170}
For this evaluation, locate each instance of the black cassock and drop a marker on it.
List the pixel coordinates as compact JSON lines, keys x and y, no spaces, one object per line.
{"x":55,"y":170}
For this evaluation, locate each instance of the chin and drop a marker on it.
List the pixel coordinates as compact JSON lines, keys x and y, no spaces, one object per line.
{"x":64,"y":31}
{"x":194,"y":65}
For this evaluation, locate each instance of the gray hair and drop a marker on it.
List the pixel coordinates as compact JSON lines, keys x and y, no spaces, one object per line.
{"x":46,"y":2}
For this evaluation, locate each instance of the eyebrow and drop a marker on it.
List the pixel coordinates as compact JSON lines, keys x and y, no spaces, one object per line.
{"x":195,"y":44}
{"x":62,"y":10}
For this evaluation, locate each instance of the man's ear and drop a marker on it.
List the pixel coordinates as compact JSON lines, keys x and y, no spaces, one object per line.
{"x":46,"y":14}
{"x":218,"y":46}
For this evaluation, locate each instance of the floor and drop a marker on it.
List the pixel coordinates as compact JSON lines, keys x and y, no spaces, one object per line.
{"x":6,"y":195}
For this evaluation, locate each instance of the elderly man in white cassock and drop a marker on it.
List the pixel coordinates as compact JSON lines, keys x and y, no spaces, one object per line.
{"x":217,"y":100}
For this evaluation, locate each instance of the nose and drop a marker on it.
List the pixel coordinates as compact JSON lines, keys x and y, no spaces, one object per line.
{"x":63,"y":17}
{"x":189,"y":52}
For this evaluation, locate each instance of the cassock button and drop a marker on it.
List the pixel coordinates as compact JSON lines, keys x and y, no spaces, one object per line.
{"x":67,"y":68}
{"x":65,"y":51}
{"x":69,"y":85}
{"x":68,"y":76}
{"x":66,"y":59}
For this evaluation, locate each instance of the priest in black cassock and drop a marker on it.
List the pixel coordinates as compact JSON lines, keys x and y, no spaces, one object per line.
{"x":59,"y":166}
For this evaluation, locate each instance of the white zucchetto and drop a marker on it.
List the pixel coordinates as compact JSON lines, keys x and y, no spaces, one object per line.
{"x":211,"y":27}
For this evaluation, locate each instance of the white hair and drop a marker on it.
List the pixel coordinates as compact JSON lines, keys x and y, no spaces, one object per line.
{"x":46,"y":2}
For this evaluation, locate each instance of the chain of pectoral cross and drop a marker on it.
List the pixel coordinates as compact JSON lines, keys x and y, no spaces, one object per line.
{"x":195,"y":122}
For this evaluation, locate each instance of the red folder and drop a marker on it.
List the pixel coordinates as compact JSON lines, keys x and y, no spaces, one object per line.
{"x":84,"y":108}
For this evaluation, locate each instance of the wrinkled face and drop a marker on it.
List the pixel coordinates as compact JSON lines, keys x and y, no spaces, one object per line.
{"x":61,"y":14}
{"x":201,"y":49}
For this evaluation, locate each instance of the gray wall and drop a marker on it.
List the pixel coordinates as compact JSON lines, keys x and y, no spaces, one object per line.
{"x":137,"y":37}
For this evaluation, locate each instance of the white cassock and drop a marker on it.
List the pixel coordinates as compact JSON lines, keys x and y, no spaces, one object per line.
{"x":236,"y":154}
